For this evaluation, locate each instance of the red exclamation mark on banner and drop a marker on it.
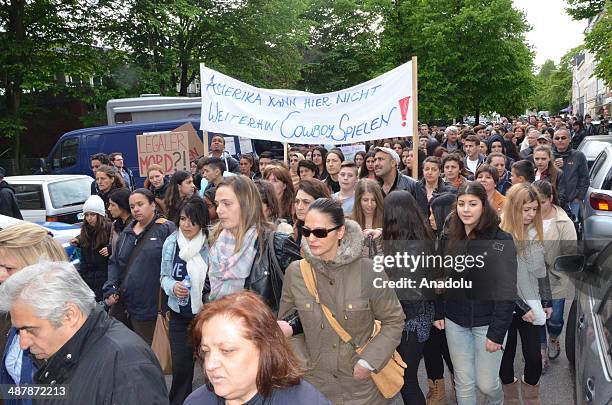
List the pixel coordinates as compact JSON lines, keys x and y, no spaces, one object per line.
{"x":403,"y":103}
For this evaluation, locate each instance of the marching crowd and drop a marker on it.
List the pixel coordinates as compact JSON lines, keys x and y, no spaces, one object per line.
{"x":266,"y":271}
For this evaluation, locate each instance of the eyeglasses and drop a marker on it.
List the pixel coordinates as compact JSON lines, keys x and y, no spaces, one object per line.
{"x":319,"y":233}
{"x":560,"y":138}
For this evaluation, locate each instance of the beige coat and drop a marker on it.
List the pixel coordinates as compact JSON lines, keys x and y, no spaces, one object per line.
{"x":345,"y":285}
{"x":560,"y":239}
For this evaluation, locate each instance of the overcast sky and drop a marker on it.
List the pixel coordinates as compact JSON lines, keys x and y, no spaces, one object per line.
{"x":553,"y":32}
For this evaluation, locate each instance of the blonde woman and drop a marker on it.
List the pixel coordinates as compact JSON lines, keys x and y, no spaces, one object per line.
{"x":21,"y":245}
{"x":240,"y":256}
{"x":522,"y":218}
{"x":559,"y":238}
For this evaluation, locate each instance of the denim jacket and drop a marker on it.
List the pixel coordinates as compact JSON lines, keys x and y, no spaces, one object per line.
{"x":166,"y":279}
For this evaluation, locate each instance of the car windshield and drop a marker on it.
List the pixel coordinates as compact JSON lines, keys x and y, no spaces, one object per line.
{"x":592,"y":148}
{"x":70,"y":192}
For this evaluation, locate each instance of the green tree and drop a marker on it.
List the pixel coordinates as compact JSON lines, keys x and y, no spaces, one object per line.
{"x":256,"y":41}
{"x":341,"y":49}
{"x":40,"y":43}
{"x":598,"y":40}
{"x":469,"y":62}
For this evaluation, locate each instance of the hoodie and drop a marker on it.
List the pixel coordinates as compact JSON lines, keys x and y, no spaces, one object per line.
{"x":231,"y":164}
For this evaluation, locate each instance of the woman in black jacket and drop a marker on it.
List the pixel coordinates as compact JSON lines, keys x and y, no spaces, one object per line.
{"x":480,"y":293}
{"x":245,"y":252}
{"x":405,"y":230}
{"x":133,"y":270}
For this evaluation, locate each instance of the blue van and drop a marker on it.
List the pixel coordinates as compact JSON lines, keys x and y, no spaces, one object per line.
{"x":71,"y":153}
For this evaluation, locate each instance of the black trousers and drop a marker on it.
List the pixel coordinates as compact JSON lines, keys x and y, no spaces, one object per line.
{"x":435,"y":351}
{"x":183,"y":358}
{"x":530,"y":343}
{"x":411,"y":351}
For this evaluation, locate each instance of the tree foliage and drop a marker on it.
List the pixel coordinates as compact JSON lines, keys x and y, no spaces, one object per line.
{"x":554,"y":83}
{"x":468,"y":61}
{"x":598,"y":40}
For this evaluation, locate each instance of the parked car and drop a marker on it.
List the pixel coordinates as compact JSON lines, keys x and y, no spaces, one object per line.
{"x":588,"y":337}
{"x":595,"y":216}
{"x":61,"y":232}
{"x":51,"y":198}
{"x":592,"y":145}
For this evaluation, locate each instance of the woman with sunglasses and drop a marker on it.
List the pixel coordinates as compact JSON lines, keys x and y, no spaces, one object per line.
{"x":344,"y":281}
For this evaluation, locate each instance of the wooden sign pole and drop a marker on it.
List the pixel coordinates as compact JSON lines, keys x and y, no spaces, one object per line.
{"x":415,"y":121}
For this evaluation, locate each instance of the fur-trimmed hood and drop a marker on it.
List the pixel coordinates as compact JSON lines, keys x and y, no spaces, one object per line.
{"x":350,"y":248}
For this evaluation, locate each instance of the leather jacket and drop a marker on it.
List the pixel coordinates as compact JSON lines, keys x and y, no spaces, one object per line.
{"x":261,"y":280}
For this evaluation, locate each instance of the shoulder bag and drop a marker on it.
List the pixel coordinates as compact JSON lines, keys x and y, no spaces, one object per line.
{"x":161,"y":338}
{"x":390,"y":379}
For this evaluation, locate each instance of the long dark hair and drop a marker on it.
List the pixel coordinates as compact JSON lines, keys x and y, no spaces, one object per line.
{"x":96,"y":236}
{"x":403,"y":220}
{"x":363,"y":172}
{"x":441,"y":206}
{"x":487,"y":223}
{"x":323,"y":151}
{"x":173,"y":200}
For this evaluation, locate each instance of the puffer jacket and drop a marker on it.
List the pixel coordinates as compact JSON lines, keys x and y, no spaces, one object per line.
{"x":140,"y":291}
{"x":491,"y":300}
{"x":346,"y":286}
{"x":260,"y":279}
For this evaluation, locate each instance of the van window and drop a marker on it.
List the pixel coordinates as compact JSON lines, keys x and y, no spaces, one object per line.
{"x":66,"y":154}
{"x":70,"y":192}
{"x":29,"y":196}
{"x":123,"y":118}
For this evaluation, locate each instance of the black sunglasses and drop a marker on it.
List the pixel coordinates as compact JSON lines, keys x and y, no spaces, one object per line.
{"x":319,"y":233}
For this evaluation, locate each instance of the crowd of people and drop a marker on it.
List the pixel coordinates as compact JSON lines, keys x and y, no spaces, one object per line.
{"x":233,"y":248}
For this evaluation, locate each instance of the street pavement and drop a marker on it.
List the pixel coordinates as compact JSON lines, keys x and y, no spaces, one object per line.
{"x":556,"y":386}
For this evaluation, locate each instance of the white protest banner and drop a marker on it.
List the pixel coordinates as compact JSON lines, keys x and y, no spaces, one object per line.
{"x":349,"y":151}
{"x":379,"y":108}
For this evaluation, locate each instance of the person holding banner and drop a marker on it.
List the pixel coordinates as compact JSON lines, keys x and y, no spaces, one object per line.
{"x":390,"y":178}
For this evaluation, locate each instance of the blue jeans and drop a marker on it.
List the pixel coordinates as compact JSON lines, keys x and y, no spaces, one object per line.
{"x":574,"y":207}
{"x":555,"y":323}
{"x":474,"y":366}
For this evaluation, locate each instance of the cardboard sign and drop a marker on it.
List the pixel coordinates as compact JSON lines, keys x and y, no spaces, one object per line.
{"x":172,"y":150}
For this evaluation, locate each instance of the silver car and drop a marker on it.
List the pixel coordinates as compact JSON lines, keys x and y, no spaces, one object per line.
{"x":588,"y":338}
{"x":596,"y":209}
{"x":51,"y":198}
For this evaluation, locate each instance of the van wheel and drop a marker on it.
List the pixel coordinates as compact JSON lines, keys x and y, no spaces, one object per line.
{"x":570,"y":336}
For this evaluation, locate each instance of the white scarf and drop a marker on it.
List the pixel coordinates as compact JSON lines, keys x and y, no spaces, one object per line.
{"x":196,"y":266}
